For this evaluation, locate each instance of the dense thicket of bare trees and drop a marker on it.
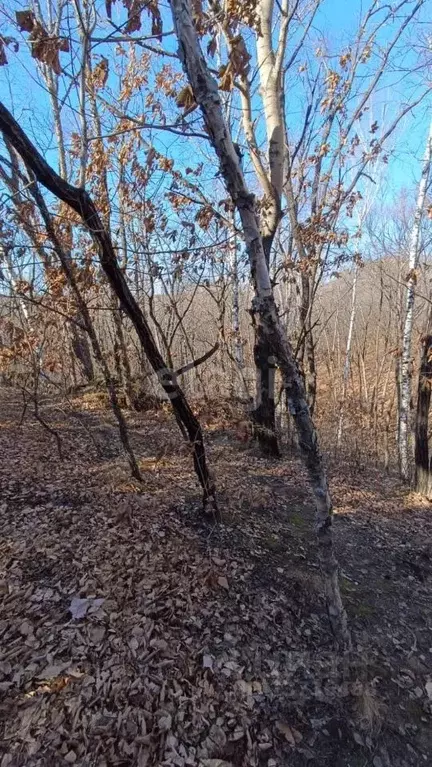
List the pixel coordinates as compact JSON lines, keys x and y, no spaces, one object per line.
{"x":204,"y":213}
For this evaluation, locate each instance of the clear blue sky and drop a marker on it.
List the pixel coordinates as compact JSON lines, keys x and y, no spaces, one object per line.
{"x":336,"y":19}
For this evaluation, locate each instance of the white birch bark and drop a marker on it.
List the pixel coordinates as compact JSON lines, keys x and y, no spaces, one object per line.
{"x":347,"y":362}
{"x":406,"y":362}
{"x":270,"y":72}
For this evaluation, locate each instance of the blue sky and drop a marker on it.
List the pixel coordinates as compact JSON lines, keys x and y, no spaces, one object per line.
{"x":21,"y":89}
{"x":340,"y":17}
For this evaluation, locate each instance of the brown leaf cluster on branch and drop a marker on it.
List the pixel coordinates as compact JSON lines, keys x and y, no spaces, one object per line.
{"x":99,"y":76}
{"x":186,"y":99}
{"x":238,"y":64}
{"x":245,"y":13}
{"x":44,"y":47}
{"x":134,"y":9}
{"x":4,"y":42}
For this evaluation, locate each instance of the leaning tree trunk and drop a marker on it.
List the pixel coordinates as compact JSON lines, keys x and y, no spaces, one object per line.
{"x":264,"y":306}
{"x":81,"y":202}
{"x":406,"y":363}
{"x":423,"y":462}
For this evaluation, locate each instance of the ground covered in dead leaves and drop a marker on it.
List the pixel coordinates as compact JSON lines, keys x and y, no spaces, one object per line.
{"x":132,"y":632}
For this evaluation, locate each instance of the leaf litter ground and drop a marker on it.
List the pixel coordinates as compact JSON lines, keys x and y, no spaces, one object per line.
{"x":133,"y":632}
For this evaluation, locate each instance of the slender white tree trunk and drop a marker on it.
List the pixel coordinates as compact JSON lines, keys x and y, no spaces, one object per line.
{"x":347,"y":363}
{"x":405,"y":364}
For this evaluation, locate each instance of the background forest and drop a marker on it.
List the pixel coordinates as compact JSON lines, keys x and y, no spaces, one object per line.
{"x":215,"y":257}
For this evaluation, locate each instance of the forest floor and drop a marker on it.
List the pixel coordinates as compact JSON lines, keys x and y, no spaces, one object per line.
{"x":132,"y":632}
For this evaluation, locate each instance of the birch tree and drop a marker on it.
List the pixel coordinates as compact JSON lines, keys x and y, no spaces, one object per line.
{"x":404,"y":427}
{"x":206,"y":95}
{"x":302,"y":167}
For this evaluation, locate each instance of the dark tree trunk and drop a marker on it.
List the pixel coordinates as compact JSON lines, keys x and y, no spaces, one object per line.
{"x":81,"y":349}
{"x":264,"y":414}
{"x":84,"y":314}
{"x":310,"y":371}
{"x":423,"y":462}
{"x":81,"y":202}
{"x":306,"y":353}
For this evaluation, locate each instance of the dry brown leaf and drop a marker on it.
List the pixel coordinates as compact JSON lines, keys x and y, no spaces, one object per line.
{"x":215,"y":763}
{"x":287,"y":732}
{"x":222,"y":581}
{"x":44,"y":46}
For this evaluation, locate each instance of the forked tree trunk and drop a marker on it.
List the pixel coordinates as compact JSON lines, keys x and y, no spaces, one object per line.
{"x":406,"y":362}
{"x":263,"y":306}
{"x":270,"y":72}
{"x":80,"y":201}
{"x":423,"y":463}
{"x":270,"y":69}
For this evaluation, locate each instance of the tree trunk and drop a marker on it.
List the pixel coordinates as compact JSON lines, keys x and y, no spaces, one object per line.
{"x":269,"y":65}
{"x":406,"y":362}
{"x":79,"y":341}
{"x":84,"y":313}
{"x":122,"y":356}
{"x":80,"y":201}
{"x":347,"y":363}
{"x":270,"y":74}
{"x":423,"y":463}
{"x":264,"y":306}
{"x":310,"y":371}
{"x":263,"y":414}
{"x":238,"y":348}
{"x":81,"y":349}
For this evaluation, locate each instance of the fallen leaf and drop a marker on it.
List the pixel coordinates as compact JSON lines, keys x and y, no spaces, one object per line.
{"x":97,"y":633}
{"x":79,"y":607}
{"x":215,"y":763}
{"x":52,"y":671}
{"x":26,"y":628}
{"x":222,"y":581}
{"x":287,"y":732}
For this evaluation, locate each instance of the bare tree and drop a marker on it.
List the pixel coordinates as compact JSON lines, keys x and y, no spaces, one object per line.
{"x":80,"y":201}
{"x":206,"y":95}
{"x":406,"y":362}
{"x":423,"y":468}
